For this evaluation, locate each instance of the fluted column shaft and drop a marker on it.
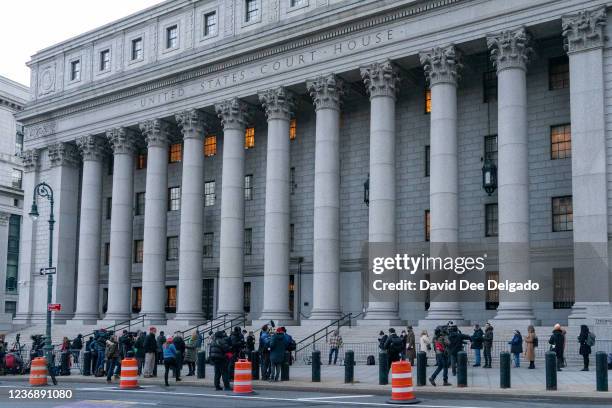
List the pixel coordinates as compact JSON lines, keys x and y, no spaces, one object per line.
{"x":93,"y":152}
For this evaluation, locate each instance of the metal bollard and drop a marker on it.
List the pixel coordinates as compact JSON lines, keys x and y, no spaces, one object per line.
{"x":87,"y":363}
{"x":349,"y":366}
{"x":285,"y":367}
{"x":421,"y":368}
{"x":254,"y":357}
{"x":601,"y":370}
{"x":504,"y":369}
{"x":551,"y":371}
{"x":201,"y":367}
{"x":462,"y":369}
{"x":383,"y":368}
{"x":316,"y":366}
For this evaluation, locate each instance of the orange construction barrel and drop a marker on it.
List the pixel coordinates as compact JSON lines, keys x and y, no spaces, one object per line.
{"x":38,"y":372}
{"x":243,"y":380}
{"x":129,"y":374}
{"x":401,"y":384}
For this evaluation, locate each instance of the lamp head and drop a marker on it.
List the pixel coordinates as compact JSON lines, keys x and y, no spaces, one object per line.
{"x":34,"y":212}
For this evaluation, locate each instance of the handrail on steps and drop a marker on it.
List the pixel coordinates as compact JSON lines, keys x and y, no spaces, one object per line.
{"x":338,"y":323}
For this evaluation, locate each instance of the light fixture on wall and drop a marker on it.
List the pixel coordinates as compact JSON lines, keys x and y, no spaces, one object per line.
{"x":489,"y":176}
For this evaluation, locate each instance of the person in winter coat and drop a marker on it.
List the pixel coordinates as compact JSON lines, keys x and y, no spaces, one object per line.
{"x":278,"y":346}
{"x":161,"y":340}
{"x":179,"y":344}
{"x":382,"y":340}
{"x":264,"y":352}
{"x":455,"y":340}
{"x":425,"y":344}
{"x":250,"y":343}
{"x":112,"y":357}
{"x":90,"y":346}
{"x":169,"y":351}
{"x":440,"y":348}
{"x":150,"y":349}
{"x":76,"y":346}
{"x":191,"y":352}
{"x":476,"y":344}
{"x":516,"y":347}
{"x":139,"y":351}
{"x":557,"y":344}
{"x":410,"y":342}
{"x":487,"y":344}
{"x":219,"y":347}
{"x":530,"y":345}
{"x":585,"y":349}
{"x":394,"y":347}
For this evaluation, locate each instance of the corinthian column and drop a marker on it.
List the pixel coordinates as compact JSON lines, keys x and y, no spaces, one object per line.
{"x":93,"y":151}
{"x":441,"y":66}
{"x":234,"y":116}
{"x":326,"y":92}
{"x":123,"y":143}
{"x":191,"y":234}
{"x":510,"y":53}
{"x":278,"y":104}
{"x":585,"y":37}
{"x":156,"y":206}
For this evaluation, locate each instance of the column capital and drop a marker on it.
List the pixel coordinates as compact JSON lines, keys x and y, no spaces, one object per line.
{"x":30,"y":159}
{"x":510,"y":48}
{"x":192,"y":124}
{"x":278,"y":103}
{"x":234,"y":113}
{"x":92,"y":147}
{"x":441,"y":64}
{"x":380,"y":79}
{"x":4,"y":218}
{"x":122,"y":140}
{"x":584,"y":30}
{"x":326,"y":91}
{"x":63,"y":154}
{"x":156,"y":132}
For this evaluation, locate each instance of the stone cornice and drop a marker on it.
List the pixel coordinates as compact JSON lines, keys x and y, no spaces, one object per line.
{"x":192,"y":123}
{"x":277,"y":102}
{"x":584,"y":30}
{"x":441,"y":65}
{"x":92,"y":147}
{"x":234,"y":114}
{"x":326,"y":91}
{"x":510,"y":49}
{"x":30,"y":160}
{"x":63,"y":154}
{"x":155,"y":132}
{"x":380,"y":79}
{"x":122,"y":140}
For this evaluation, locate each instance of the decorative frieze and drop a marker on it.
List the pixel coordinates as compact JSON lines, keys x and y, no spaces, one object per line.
{"x":380,"y":79}
{"x":92,"y":147}
{"x":510,"y":48}
{"x":63,"y":154}
{"x":326,"y":91}
{"x":122,"y":140}
{"x":39,"y":130}
{"x":30,"y":160}
{"x":441,"y":64}
{"x":192,"y":124}
{"x":4,"y":218}
{"x":156,"y":132}
{"x":234,"y":113}
{"x":584,"y":30}
{"x":278,"y":103}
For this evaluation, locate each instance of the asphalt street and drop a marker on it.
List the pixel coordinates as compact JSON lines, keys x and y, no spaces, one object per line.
{"x":87,"y":395}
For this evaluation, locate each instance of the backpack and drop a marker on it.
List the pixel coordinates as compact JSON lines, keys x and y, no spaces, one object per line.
{"x":396,"y":345}
{"x":370,"y":360}
{"x":590,"y":340}
{"x":291,"y":346}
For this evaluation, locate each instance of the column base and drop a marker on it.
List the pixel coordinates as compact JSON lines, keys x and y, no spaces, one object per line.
{"x":440,"y":313}
{"x":6,"y":322}
{"x":61,"y":318}
{"x":190,"y":319}
{"x":22,"y":319}
{"x":83,"y":319}
{"x":590,"y":313}
{"x":382,"y":323}
{"x":514,"y":316}
{"x":325,"y":315}
{"x":113,"y":318}
{"x":277,"y":322}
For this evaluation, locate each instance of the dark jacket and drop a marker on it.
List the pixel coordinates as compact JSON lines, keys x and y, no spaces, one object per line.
{"x":477,"y":339}
{"x":516,"y":344}
{"x":455,"y":341}
{"x":237,"y":341}
{"x":382,"y":341}
{"x":277,"y":348}
{"x":585,"y":349}
{"x":394,"y":346}
{"x":150,"y":344}
{"x":77,"y":343}
{"x":487,"y":340}
{"x":557,"y":342}
{"x":250,"y":343}
{"x":218,"y":347}
{"x":139,"y":346}
{"x":179,"y":343}
{"x":161,"y":339}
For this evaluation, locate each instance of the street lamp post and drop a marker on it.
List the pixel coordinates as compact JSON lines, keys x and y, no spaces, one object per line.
{"x":45,"y":191}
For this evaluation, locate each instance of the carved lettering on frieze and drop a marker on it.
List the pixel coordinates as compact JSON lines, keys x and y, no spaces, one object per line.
{"x":40,"y":130}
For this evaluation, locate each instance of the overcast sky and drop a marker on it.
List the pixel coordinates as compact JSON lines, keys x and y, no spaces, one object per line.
{"x":27,"y":26}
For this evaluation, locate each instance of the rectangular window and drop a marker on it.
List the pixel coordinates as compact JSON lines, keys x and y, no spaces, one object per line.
{"x":249,"y":138}
{"x":292,"y":129}
{"x":297,"y":3}
{"x":104,"y":300}
{"x":10,"y":308}
{"x":137,"y":48}
{"x":563,"y":288}
{"x":558,"y":73}
{"x":427,"y":160}
{"x":75,"y":70}
{"x":248,"y":241}
{"x":172,"y":248}
{"x":175,"y":154}
{"x":491,"y":220}
{"x":138,"y":250}
{"x":210,"y":24}
{"x":111,"y":165}
{"x":208,"y":244}
{"x":489,"y":86}
{"x":292,"y":184}
{"x":427,"y":225}
{"x":210,"y":145}
{"x":251,"y":10}
{"x":109,"y":207}
{"x":292,"y":237}
{"x":170,"y":299}
{"x":492,"y":296}
{"x":136,"y":299}
{"x":209,"y":193}
{"x":12,"y":257}
{"x":104,"y":60}
{"x":208,"y":298}
{"x":248,"y":187}
{"x":174,"y":198}
{"x":16,"y":178}
{"x":246,"y":295}
{"x":561,"y":142}
{"x":140,"y":203}
{"x":172,"y":37}
{"x":141,"y":161}
{"x":562,"y":214}
{"x":106,"y":253}
{"x":490,"y":148}
{"x":427,"y":100}
{"x":19,"y":142}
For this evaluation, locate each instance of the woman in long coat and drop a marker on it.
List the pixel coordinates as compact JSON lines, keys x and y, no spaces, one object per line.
{"x":530,"y":342}
{"x":191,"y":352}
{"x":410,"y":345}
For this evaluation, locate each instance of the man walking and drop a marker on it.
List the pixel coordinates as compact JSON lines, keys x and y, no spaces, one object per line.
{"x":150,"y":349}
{"x":440,"y":347}
{"x":395,"y":346}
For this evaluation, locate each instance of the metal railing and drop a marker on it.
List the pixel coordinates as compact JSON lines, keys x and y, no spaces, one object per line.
{"x":310,"y":342}
{"x":140,"y":319}
{"x":209,"y":322}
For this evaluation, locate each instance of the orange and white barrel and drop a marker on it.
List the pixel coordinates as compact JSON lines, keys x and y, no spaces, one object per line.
{"x":38,"y":372}
{"x":402,"y":391}
{"x":129,"y":374}
{"x":243,"y":380}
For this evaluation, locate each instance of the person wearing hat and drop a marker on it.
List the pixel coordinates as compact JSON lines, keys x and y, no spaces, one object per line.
{"x":557,"y":343}
{"x":278,"y":346}
{"x":170,"y":360}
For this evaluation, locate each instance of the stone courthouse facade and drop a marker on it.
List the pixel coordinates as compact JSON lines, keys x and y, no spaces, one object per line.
{"x":225,"y":156}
